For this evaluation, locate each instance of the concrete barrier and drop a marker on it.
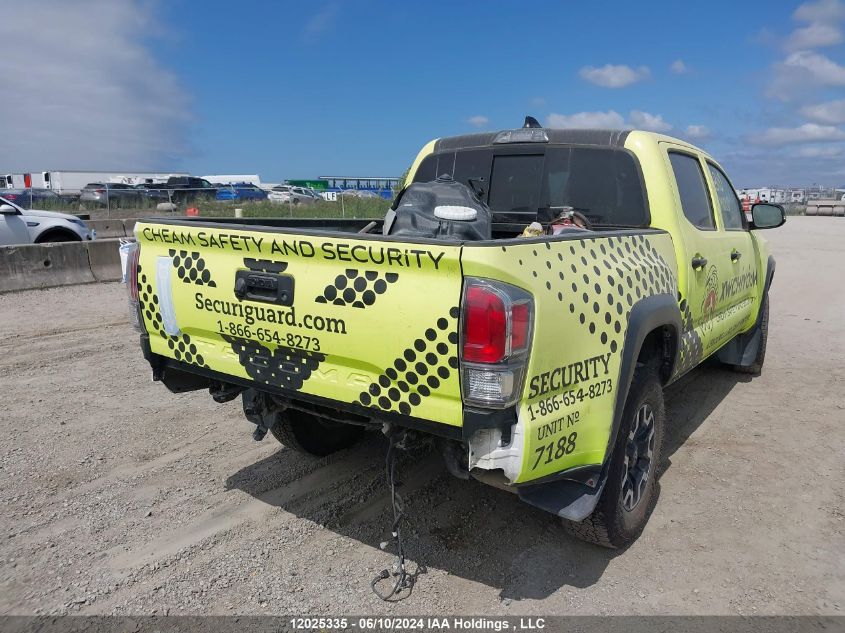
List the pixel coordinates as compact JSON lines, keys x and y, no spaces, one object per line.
{"x":104,"y":259}
{"x":825,"y":207}
{"x":44,"y":265}
{"x":129,"y":226}
{"x":107,"y":228}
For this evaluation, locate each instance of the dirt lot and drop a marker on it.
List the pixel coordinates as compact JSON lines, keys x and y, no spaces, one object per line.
{"x":118,"y":497}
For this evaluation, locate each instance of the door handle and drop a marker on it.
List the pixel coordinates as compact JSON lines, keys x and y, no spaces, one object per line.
{"x":698,"y":262}
{"x":735,"y":255}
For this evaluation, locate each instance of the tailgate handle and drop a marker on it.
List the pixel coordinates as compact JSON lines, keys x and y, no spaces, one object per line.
{"x":264,"y":287}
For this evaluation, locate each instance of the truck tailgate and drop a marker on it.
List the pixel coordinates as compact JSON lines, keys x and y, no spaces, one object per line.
{"x":360,"y":320}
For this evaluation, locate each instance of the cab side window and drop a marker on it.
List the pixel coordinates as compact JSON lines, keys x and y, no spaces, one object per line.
{"x":729,"y":205}
{"x":695,"y":201}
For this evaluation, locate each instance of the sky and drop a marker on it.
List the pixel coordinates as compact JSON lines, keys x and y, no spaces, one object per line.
{"x":356,"y":87}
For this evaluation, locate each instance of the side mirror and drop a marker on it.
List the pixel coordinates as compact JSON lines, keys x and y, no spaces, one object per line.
{"x":767,"y":216}
{"x":7,"y":209}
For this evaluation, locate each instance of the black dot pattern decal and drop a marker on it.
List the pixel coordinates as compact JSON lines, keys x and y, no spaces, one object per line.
{"x":690,"y":348}
{"x":190,"y":268}
{"x":285,"y":367}
{"x":418,"y":371}
{"x":357,"y":288}
{"x":183,"y":348}
{"x":600,"y":280}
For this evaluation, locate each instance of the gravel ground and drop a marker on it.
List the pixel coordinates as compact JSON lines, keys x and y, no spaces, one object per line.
{"x":119,"y":497}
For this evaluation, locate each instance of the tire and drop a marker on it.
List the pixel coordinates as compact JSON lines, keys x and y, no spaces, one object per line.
{"x":756,"y":367}
{"x":620,"y":516}
{"x":312,"y":435}
{"x":57,"y":236}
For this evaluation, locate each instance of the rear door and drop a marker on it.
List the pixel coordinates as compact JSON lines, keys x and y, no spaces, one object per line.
{"x":368,"y":322}
{"x":706,"y":255}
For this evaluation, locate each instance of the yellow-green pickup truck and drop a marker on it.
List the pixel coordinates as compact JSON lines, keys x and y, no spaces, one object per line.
{"x":525,"y":300}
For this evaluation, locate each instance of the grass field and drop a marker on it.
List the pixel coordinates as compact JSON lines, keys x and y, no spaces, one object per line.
{"x":349,"y":208}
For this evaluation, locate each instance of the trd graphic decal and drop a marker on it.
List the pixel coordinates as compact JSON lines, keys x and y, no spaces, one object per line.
{"x":182,"y":346}
{"x":190,"y":268}
{"x":286,"y":367}
{"x":601,"y":279}
{"x":418,"y":371}
{"x":357,"y":288}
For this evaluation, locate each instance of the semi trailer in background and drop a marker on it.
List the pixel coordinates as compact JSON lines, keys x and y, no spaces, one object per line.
{"x":61,"y":181}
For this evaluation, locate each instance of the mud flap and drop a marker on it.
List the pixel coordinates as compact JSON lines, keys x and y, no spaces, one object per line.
{"x":567,"y":499}
{"x":742,"y":349}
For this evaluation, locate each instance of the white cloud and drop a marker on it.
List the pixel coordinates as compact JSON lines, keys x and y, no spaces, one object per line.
{"x":820,"y":11}
{"x":645,"y":121}
{"x":610,"y":76}
{"x":538,"y":102}
{"x":478,"y":120}
{"x":610,"y":119}
{"x":816,"y":35}
{"x":679,"y":67}
{"x":321,"y":21}
{"x":832,"y":112}
{"x":807,"y":133}
{"x":802,"y":71}
{"x":697,"y":132}
{"x":822,"y":69}
{"x":820,"y":151}
{"x":87,"y":97}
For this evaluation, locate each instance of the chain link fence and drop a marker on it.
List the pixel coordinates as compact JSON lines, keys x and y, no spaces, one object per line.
{"x":117,"y":200}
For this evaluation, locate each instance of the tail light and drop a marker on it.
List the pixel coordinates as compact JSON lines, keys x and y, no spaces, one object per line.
{"x":497,"y":322}
{"x":132,"y":251}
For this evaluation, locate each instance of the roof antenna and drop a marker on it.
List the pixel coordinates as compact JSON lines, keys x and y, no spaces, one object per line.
{"x":531,"y":122}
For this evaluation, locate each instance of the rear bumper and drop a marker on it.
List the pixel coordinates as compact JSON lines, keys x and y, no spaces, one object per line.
{"x":180,"y":377}
{"x":569,"y":494}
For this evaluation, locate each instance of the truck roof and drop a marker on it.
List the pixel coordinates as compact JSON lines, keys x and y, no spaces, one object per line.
{"x":596,"y":137}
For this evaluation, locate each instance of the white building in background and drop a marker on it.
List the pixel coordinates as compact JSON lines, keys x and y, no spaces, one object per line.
{"x":768,"y":194}
{"x":797,"y":196}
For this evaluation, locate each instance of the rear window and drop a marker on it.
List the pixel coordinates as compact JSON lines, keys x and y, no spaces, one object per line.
{"x":603,"y":183}
{"x":515,"y":183}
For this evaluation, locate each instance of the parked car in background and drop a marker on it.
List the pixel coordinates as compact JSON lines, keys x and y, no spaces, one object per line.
{"x":111,"y":194}
{"x":150,"y":191}
{"x":181,"y":189}
{"x":241,"y":191}
{"x":33,"y":226}
{"x":295,"y":195}
{"x":27,"y":198}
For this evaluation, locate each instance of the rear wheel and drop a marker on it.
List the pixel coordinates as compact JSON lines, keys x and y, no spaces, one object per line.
{"x":631,"y":491}
{"x":57,"y":236}
{"x":313,"y":435}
